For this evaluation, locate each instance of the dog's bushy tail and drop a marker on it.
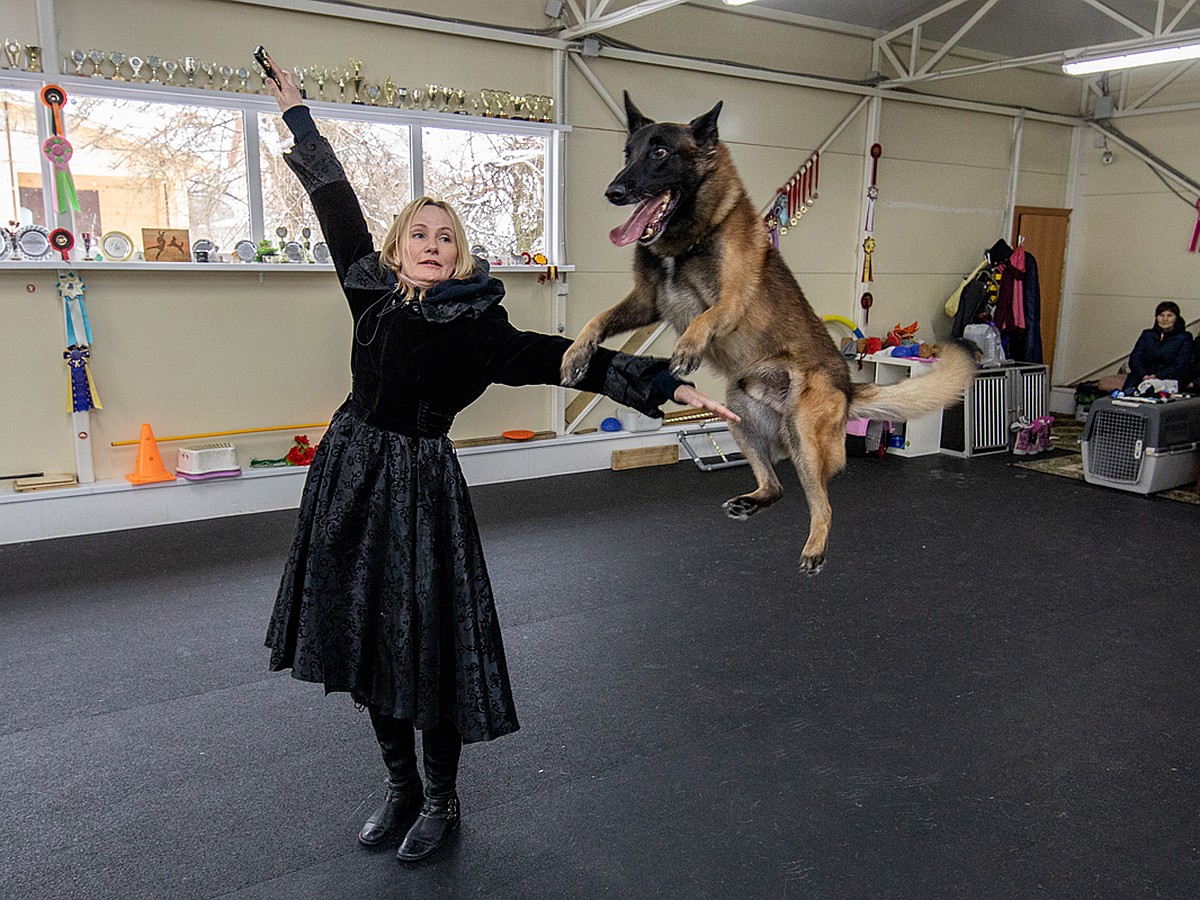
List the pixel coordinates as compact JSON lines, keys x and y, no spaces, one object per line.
{"x":943,"y":386}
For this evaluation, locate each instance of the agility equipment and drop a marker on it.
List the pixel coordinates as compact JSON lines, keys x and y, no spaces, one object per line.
{"x":149,"y":468}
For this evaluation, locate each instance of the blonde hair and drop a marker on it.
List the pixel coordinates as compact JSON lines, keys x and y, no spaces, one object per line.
{"x":390,"y":254}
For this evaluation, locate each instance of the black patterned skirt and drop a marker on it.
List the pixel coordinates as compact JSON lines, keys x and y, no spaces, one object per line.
{"x":386,"y":594}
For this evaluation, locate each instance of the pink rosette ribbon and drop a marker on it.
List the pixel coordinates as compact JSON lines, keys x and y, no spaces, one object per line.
{"x":58,"y":150}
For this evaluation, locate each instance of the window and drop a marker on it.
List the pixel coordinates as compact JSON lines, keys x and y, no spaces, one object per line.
{"x":374,"y":155}
{"x":497,"y":182}
{"x":159,"y":165}
{"x":21,"y":159}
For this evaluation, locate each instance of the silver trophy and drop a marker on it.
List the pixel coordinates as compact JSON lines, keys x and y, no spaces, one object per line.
{"x":190,"y":68}
{"x":169,"y":66}
{"x":97,"y":57}
{"x":117,"y":58}
{"x":154,"y":63}
{"x":135,"y":63}
{"x":78,"y":60}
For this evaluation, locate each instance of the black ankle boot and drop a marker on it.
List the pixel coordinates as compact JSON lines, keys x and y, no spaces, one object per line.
{"x":439,"y":817}
{"x":399,"y":804}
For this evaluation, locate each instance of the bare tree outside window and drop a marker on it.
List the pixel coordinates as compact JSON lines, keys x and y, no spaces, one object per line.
{"x":161,"y":165}
{"x":497,"y":182}
{"x":21,"y":157}
{"x":374,"y":155}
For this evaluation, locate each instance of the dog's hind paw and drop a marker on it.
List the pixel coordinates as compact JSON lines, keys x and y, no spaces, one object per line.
{"x":740,"y":508}
{"x":811,"y":565}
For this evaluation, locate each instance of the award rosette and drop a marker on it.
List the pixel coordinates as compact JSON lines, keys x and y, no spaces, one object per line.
{"x":84,"y":395}
{"x":57,"y":149}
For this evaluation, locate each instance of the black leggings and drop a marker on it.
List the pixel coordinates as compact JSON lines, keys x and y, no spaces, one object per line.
{"x":441,"y":746}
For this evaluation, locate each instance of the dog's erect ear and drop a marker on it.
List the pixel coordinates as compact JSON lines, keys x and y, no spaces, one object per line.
{"x":704,"y":129}
{"x":633,"y":116}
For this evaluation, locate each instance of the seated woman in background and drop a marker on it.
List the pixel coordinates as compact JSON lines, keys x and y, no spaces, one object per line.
{"x":1163,"y":352}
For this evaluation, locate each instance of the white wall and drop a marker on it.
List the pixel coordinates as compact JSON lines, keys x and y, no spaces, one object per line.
{"x":198,"y":351}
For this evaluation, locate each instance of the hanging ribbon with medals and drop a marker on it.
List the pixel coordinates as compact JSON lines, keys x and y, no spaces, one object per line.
{"x":1196,"y":232}
{"x":82,"y":394}
{"x":873,"y":188}
{"x":794,"y":199}
{"x":58,"y":150}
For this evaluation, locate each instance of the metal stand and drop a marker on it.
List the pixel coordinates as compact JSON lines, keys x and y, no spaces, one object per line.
{"x":722,"y":460}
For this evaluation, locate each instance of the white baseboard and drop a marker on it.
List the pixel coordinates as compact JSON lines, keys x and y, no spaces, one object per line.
{"x":116,"y":505}
{"x":1062,"y":400}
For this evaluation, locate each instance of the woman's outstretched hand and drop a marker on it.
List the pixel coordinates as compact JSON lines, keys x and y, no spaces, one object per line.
{"x":287,"y":92}
{"x":688,"y":395}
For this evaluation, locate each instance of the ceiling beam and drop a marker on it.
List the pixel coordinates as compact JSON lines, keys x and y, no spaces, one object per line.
{"x":1117,"y":17}
{"x":600,"y":22}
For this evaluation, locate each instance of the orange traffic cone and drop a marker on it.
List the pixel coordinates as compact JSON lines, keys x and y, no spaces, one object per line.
{"x":149,"y":464}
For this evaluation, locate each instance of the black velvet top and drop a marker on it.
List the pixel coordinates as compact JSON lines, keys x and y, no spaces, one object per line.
{"x":416,"y":363}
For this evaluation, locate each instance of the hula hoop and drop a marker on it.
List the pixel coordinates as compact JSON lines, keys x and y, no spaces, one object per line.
{"x":842,"y":320}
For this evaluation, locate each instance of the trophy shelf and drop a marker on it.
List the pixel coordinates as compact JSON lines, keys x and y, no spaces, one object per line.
{"x":17,"y":265}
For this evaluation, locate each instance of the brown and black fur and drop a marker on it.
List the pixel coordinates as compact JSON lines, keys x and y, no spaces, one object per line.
{"x":712,"y":273}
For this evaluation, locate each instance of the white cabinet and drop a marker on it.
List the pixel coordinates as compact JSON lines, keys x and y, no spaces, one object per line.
{"x":922,"y":436}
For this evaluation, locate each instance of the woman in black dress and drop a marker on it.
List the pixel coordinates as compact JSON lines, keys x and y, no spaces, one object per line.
{"x":386,"y":594}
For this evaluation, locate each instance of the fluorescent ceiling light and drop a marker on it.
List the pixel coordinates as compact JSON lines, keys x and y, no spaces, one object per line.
{"x":736,"y":2}
{"x":1129,"y":60}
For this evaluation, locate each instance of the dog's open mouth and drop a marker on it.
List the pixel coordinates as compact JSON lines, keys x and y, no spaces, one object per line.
{"x":647,"y":222}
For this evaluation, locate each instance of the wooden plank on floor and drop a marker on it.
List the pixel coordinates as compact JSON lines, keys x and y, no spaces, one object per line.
{"x":640,"y":457}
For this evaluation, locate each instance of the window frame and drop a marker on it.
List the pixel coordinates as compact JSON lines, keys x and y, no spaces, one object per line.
{"x":252,"y":105}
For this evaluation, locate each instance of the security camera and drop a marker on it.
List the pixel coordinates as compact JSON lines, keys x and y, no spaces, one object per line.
{"x":1106,"y":157}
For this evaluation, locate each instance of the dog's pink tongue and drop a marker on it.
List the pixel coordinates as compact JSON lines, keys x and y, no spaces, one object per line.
{"x":632,"y":230}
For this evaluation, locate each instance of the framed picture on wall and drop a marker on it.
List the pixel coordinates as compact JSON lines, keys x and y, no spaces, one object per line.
{"x":166,"y":245}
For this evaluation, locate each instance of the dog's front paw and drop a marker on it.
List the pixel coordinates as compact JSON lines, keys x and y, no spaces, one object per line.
{"x":810,"y":564}
{"x":575,"y":362}
{"x":685,"y":360}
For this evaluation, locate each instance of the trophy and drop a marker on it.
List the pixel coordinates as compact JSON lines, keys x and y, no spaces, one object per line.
{"x":34,"y":54}
{"x":78,"y":59}
{"x":431,"y":95}
{"x":226,"y":73}
{"x":549,"y":105}
{"x":321,"y":75}
{"x":209,"y":68}
{"x":402,"y":98}
{"x":356,"y":80}
{"x":389,"y":92}
{"x":97,"y":57}
{"x":372,"y":91}
{"x":418,"y":96}
{"x":342,"y":77}
{"x":169,"y":66}
{"x":190,"y":68}
{"x":153,"y":62}
{"x":460,"y":100}
{"x":13,"y":51}
{"x":282,"y":234}
{"x":117,"y":58}
{"x":518,"y":104}
{"x":306,"y":233}
{"x":299,"y":73}
{"x":135,"y":63}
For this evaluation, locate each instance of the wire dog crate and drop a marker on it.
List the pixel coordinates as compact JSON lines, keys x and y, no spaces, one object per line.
{"x":1140,"y":446}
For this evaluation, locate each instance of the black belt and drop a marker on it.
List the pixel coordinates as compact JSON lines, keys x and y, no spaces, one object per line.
{"x":419,"y":421}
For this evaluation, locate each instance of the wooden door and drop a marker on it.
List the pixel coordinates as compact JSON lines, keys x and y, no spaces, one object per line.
{"x":1044,"y":231}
